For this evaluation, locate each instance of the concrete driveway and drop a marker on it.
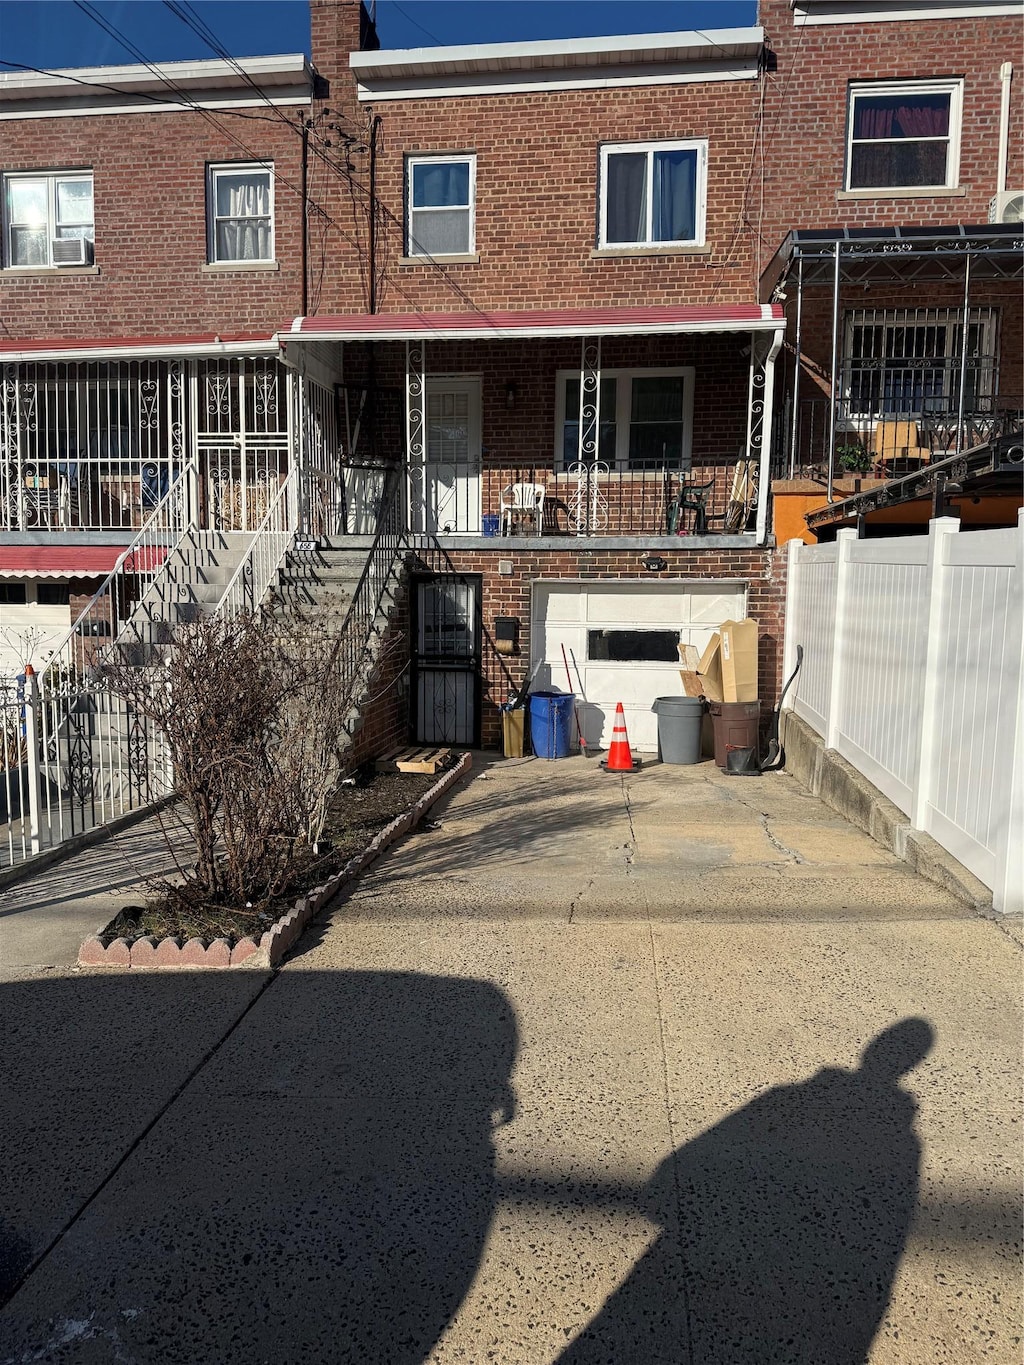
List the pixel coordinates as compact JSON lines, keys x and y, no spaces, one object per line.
{"x":670,"y":1068}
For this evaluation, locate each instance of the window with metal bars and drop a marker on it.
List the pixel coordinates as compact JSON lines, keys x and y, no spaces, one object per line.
{"x":910,"y":362}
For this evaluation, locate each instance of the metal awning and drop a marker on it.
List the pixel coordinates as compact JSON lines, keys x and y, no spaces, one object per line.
{"x":73,"y":561}
{"x":491,"y":325}
{"x":901,"y":255}
{"x":137,"y":348}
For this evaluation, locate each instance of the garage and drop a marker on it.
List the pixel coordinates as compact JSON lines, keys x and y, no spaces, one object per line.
{"x":620,"y":640}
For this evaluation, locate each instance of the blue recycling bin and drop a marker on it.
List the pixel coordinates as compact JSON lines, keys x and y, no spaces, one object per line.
{"x":551,"y":724}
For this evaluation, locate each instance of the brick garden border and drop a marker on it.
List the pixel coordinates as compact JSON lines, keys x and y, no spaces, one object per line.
{"x":266,"y":952}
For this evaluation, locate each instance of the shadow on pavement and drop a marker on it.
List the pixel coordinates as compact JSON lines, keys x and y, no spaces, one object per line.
{"x":323,"y":1187}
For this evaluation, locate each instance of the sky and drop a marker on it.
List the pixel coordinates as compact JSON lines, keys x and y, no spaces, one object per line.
{"x":61,"y":33}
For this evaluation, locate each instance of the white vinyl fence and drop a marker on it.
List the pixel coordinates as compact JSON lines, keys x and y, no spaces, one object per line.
{"x":913,"y":671}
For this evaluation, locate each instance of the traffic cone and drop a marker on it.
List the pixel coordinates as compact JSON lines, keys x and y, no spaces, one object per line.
{"x":620,"y":757}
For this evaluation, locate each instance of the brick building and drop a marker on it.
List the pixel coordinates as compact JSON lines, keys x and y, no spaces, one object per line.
{"x":531,"y":296}
{"x":893,"y":183}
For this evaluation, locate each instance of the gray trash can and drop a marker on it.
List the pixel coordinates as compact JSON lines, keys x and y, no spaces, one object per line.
{"x":679,"y":721}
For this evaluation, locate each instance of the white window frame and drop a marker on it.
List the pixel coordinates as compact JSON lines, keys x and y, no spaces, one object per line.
{"x":952,"y":87}
{"x":623,"y":411}
{"x":213,"y":170}
{"x":698,"y":145}
{"x":52,"y":179}
{"x":442,"y":158}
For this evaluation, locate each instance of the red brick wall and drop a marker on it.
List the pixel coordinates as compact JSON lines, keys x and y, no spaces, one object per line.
{"x":536,"y":199}
{"x":149,"y":183}
{"x":764,"y":571}
{"x":385,"y":714}
{"x":805,"y":115}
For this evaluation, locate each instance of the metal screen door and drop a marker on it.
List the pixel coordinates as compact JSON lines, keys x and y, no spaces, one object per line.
{"x":446,"y":662}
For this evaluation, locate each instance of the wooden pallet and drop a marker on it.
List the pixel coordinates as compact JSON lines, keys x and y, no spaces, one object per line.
{"x":413,"y":760}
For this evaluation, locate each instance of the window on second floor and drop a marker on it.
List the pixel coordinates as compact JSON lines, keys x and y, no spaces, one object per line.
{"x":42,"y":210}
{"x":653,"y":194}
{"x":441,"y":205}
{"x":904,"y":135}
{"x":240,"y":204}
{"x":645,"y":418}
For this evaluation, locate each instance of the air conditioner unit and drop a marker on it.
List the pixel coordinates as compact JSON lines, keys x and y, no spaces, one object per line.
{"x":1007,"y":207}
{"x":71,"y":251}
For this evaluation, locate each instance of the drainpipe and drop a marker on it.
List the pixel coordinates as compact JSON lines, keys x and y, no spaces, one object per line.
{"x":1005,"y":76}
{"x":795,"y":433}
{"x":833,"y":387}
{"x":305,"y":217}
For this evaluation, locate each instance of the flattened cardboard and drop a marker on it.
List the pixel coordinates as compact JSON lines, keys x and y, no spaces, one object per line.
{"x":689,"y":658}
{"x":709,"y":669}
{"x":738,"y":660}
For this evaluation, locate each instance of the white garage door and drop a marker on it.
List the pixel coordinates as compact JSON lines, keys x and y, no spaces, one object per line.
{"x":620,"y":640}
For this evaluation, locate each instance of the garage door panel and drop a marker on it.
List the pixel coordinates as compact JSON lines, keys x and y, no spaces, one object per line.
{"x":565,"y":615}
{"x":716,"y":607}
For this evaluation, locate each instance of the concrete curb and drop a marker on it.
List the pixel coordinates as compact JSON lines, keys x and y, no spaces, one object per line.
{"x":827,"y":775}
{"x":267,"y":953}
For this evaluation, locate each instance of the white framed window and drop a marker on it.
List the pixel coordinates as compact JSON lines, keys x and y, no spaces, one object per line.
{"x":645,"y":417}
{"x":441,"y":212}
{"x":240,"y":212}
{"x":44,"y":207}
{"x":908,"y":362}
{"x":904,"y":135}
{"x":653,"y":193}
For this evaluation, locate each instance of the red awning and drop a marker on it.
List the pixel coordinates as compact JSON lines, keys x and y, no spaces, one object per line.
{"x":113,"y":348}
{"x":487,"y":324}
{"x":71,"y":561}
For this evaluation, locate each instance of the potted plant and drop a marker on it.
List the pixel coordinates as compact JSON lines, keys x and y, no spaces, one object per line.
{"x":853,"y":458}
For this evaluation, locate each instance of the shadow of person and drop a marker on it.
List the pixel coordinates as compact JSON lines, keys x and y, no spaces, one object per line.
{"x":783,"y":1226}
{"x":321,"y":1190}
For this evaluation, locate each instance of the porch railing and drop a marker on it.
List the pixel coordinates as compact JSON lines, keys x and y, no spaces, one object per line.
{"x":76,"y":755}
{"x":258,"y":568}
{"x":893,"y":443}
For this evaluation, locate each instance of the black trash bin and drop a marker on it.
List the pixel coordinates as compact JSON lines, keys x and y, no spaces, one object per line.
{"x":679,"y":722}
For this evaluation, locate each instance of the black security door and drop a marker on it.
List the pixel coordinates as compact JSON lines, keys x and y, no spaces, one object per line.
{"x":446,"y":659}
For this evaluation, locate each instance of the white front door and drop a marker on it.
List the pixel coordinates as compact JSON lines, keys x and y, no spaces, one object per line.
{"x":448,"y":497}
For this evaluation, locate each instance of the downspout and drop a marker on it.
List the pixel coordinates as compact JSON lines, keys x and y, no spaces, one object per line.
{"x":768,"y":400}
{"x":1005,"y":76}
{"x":834,"y":384}
{"x":795,"y":433}
{"x":305,"y":218}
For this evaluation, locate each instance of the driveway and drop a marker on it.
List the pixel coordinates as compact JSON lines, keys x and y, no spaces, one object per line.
{"x":672,"y":1067}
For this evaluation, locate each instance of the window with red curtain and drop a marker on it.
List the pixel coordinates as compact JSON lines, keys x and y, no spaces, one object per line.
{"x":902,"y":136}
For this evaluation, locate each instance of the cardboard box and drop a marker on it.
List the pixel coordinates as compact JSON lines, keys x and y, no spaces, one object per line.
{"x":738,"y":660}
{"x":689,"y":658}
{"x":709,"y":669}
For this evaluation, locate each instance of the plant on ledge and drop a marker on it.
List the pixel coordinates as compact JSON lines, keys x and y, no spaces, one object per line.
{"x":853,"y":458}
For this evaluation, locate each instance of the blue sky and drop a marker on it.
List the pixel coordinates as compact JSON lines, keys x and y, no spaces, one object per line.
{"x":55,"y":33}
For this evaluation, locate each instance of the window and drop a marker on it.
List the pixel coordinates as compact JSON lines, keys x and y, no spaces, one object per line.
{"x":13,"y":595}
{"x":241,"y":213}
{"x":653,"y":194}
{"x":645,"y":418}
{"x":442,"y":195}
{"x":41,"y":208}
{"x":904,"y":136}
{"x":53,"y":594}
{"x":907,"y":362}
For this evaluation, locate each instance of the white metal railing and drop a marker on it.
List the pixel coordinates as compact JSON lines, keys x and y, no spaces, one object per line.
{"x":83,"y":756}
{"x":913,"y":671}
{"x":258,"y":568}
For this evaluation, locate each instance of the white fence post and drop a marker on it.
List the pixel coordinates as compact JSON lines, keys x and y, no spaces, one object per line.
{"x":846,"y":539}
{"x":936,"y":627}
{"x":1008,"y":891}
{"x":32,"y":754}
{"x":793,"y":586}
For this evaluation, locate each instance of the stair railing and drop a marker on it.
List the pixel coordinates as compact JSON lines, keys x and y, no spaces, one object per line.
{"x":89,"y":757}
{"x":271,"y":541}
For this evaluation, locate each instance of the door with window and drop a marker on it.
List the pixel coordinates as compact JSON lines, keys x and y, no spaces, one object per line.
{"x":446,"y":660}
{"x":444,"y":488}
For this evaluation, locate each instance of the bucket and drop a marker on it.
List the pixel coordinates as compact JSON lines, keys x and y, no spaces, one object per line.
{"x":679,"y":721}
{"x":489,"y":522}
{"x":735,"y":725}
{"x":551,"y":724}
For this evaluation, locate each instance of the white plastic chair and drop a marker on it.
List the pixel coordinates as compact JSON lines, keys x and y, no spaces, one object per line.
{"x":521,"y":501}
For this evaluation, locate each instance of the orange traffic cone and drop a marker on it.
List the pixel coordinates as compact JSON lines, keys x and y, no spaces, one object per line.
{"x":620,"y":757}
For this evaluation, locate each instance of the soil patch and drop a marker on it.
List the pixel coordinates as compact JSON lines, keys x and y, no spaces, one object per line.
{"x":359,"y":809}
